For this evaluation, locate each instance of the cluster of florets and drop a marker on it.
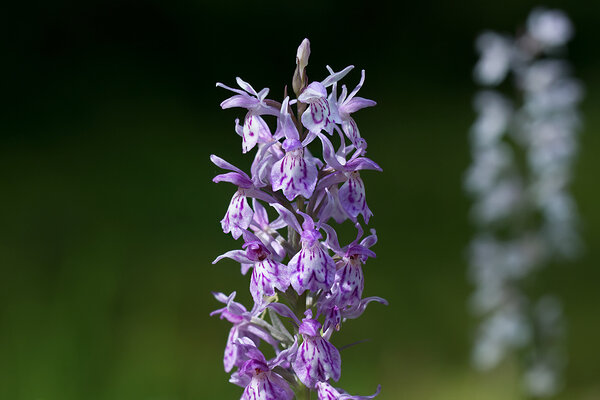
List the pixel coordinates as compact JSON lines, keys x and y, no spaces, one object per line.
{"x":303,"y":282}
{"x":523,"y":150}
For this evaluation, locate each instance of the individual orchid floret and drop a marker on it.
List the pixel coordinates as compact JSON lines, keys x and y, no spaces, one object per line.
{"x":254,"y":128}
{"x":312,"y":268}
{"x":266,"y":156}
{"x":359,"y":308}
{"x":317,"y":360}
{"x":321,"y":114}
{"x":349,"y":278}
{"x":237,"y":314}
{"x":267,"y":274}
{"x":353,"y":197}
{"x":551,"y":28}
{"x":267,"y":231}
{"x":327,"y":392}
{"x":257,"y":375}
{"x":348,"y":104}
{"x":239,"y":214}
{"x":335,"y":315}
{"x":351,"y":194}
{"x":494,"y":115}
{"x":332,"y":207}
{"x":295,"y":173}
{"x":496,"y":56}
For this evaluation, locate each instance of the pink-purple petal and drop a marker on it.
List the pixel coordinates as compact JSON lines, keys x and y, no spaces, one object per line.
{"x":236,"y":255}
{"x":312,"y":269}
{"x":268,"y":386}
{"x":294,"y":175}
{"x":353,"y":198}
{"x":317,"y":360}
{"x":238,"y":216}
{"x":355,"y":104}
{"x":267,"y":276}
{"x":234,"y":177}
{"x":255,"y":129}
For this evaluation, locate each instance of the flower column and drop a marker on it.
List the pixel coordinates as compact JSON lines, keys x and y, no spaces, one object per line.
{"x":303,"y":283}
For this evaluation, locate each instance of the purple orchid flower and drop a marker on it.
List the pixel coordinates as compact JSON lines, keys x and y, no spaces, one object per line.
{"x":267,"y":231}
{"x":335,"y":315}
{"x":321,"y":114}
{"x":332,"y":207}
{"x":327,"y":392}
{"x":312,"y":268}
{"x":352,"y":193}
{"x":266,"y":156}
{"x":239,"y":214}
{"x":295,"y":173}
{"x":255,"y":128}
{"x":237,"y":314}
{"x":256,"y":374}
{"x":317,"y":360}
{"x":268,"y":274}
{"x":349,"y":278}
{"x":348,"y":104}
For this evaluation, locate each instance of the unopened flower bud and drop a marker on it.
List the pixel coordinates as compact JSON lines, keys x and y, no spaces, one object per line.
{"x":300,"y":79}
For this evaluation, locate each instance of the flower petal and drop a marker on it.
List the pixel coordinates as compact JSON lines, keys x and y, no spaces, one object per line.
{"x":312,"y":92}
{"x":355,"y":104}
{"x":237,"y":255}
{"x":219,"y":162}
{"x":336,"y":76}
{"x":255,"y":129}
{"x":353,"y":199}
{"x":267,"y":276}
{"x":238,"y":216}
{"x":295,"y":175}
{"x":235,"y":178}
{"x":320,"y":115}
{"x":317,"y":360}
{"x":312,"y":269}
{"x":268,"y":386}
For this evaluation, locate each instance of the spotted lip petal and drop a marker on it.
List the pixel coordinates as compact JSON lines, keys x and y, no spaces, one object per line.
{"x":349,"y":283}
{"x":312,"y":269}
{"x":267,"y":276}
{"x":353,"y":198}
{"x":238,"y":216}
{"x":317,"y":360}
{"x":255,"y":129}
{"x":321,"y":114}
{"x":264,"y":384}
{"x":295,"y":175}
{"x":268,"y":386}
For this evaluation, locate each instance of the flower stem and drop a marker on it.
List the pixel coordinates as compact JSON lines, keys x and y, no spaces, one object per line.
{"x":307,"y":394}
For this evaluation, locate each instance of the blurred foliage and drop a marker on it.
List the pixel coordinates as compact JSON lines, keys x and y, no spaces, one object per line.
{"x":109,"y":220}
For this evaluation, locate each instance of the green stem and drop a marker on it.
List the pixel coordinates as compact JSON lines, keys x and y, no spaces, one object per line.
{"x":306,"y":394}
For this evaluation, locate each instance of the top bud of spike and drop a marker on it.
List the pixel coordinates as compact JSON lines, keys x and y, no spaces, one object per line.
{"x":300,"y":79}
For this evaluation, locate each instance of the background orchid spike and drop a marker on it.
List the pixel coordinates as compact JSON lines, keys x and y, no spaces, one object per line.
{"x":294,"y":275}
{"x":524,"y":215}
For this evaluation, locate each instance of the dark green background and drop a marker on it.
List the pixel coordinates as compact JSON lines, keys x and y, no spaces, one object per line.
{"x":109,"y":221}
